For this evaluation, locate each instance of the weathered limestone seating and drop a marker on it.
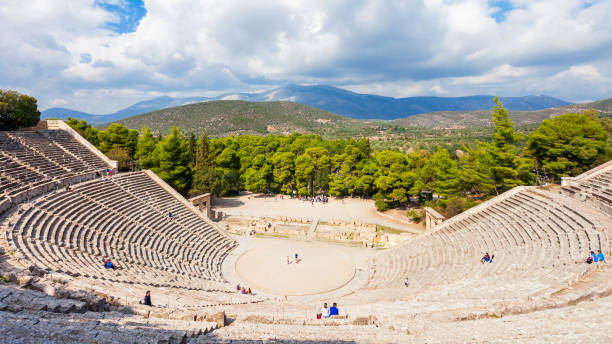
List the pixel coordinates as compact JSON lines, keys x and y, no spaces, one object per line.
{"x":593,"y":187}
{"x":31,"y":164}
{"x":539,"y":239}
{"x":32,"y":316}
{"x":74,"y":231}
{"x":70,"y":144}
{"x":141,"y":186}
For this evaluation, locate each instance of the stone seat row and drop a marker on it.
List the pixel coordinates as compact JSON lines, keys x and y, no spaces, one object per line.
{"x":64,"y":227}
{"x":531,"y":234}
{"x":75,"y":230}
{"x":140,"y":230}
{"x":196,"y":231}
{"x":144,"y":188}
{"x":96,"y":327}
{"x":45,"y":226}
{"x":56,"y":258}
{"x":69,"y":143}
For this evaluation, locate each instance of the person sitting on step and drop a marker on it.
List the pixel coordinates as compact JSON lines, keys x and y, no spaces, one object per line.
{"x":590,"y":259}
{"x":147,"y":299}
{"x":333,"y":310}
{"x":600,"y":256}
{"x":325,"y":311}
{"x":485,"y":258}
{"x":108,"y":264}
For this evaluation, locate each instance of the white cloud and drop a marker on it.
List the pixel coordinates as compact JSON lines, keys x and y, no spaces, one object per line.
{"x":61,"y":50}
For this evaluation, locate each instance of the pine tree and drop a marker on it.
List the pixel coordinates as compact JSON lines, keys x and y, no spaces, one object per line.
{"x":500,"y":161}
{"x":171,"y":158}
{"x":446,"y":173}
{"x":569,"y":144}
{"x":144,"y":149}
{"x":205,"y":178}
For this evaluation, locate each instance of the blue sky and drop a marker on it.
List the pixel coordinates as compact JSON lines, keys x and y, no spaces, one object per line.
{"x":102,"y":55}
{"x":128,"y":12}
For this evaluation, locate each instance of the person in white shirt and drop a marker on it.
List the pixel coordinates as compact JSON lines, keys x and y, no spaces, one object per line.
{"x":325,"y":311}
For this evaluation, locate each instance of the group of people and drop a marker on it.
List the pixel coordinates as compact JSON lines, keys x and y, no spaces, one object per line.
{"x":487,"y":259}
{"x":311,"y":199}
{"x":297,"y":260}
{"x":595,"y":257}
{"x":328,"y":312}
{"x":243,"y":290}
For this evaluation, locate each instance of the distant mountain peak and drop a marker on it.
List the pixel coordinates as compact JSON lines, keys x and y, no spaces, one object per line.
{"x":332,"y":99}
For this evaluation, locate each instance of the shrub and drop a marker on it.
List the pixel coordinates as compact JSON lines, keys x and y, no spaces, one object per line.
{"x":455,"y":206}
{"x":415,"y":214}
{"x":381,"y":205}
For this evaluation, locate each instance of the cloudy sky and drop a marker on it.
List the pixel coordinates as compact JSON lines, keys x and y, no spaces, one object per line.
{"x":101,"y":55}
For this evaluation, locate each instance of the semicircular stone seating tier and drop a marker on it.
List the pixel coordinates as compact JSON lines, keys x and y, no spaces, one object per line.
{"x":123,"y":218}
{"x":540,"y":240}
{"x":593,"y":187}
{"x":33,"y":162}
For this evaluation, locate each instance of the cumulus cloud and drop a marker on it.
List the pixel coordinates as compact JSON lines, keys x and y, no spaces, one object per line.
{"x":68,"y":51}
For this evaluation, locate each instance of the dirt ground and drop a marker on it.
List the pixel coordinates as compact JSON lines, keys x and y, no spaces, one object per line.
{"x":321,"y":267}
{"x":347,"y":210}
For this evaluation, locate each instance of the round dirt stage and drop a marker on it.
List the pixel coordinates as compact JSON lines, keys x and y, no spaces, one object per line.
{"x":321,"y":268}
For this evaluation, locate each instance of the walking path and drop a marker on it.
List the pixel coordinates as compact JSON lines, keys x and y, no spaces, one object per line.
{"x":313,"y":228}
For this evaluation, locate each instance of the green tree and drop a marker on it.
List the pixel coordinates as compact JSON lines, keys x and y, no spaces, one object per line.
{"x":84,"y":129}
{"x":312,"y":171}
{"x":205,"y":177}
{"x":144,"y":149}
{"x":284,"y":171}
{"x":500,"y":161}
{"x":17,"y":110}
{"x":171,"y":158}
{"x":445,"y":173}
{"x":568,"y":144}
{"x":118,"y":136}
{"x":259,"y":176}
{"x":474,"y":177}
{"x":122,"y":156}
{"x":193,"y":147}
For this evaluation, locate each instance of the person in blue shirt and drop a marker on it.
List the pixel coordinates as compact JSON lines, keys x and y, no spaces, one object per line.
{"x":108,"y":264}
{"x":333,"y":310}
{"x":600,"y":256}
{"x":595,"y":259}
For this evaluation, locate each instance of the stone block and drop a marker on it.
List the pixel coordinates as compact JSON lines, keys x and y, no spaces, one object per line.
{"x":159,"y":314}
{"x":24,"y":280}
{"x":45,"y":288}
{"x":218,"y":318}
{"x":361,"y":321}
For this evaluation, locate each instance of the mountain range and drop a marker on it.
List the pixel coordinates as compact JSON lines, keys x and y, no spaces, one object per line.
{"x":328,"y":98}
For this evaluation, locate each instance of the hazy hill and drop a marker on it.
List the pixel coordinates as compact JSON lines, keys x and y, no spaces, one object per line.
{"x":482,"y":118}
{"x":230,"y":117}
{"x":333,"y":99}
{"x":136,"y":109}
{"x":368,"y":106}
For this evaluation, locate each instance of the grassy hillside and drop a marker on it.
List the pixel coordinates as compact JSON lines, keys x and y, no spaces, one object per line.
{"x":451,"y":129}
{"x":482,"y":118}
{"x":234,"y":117}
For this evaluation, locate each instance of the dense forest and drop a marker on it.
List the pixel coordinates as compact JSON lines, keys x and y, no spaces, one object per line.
{"x":299,"y":164}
